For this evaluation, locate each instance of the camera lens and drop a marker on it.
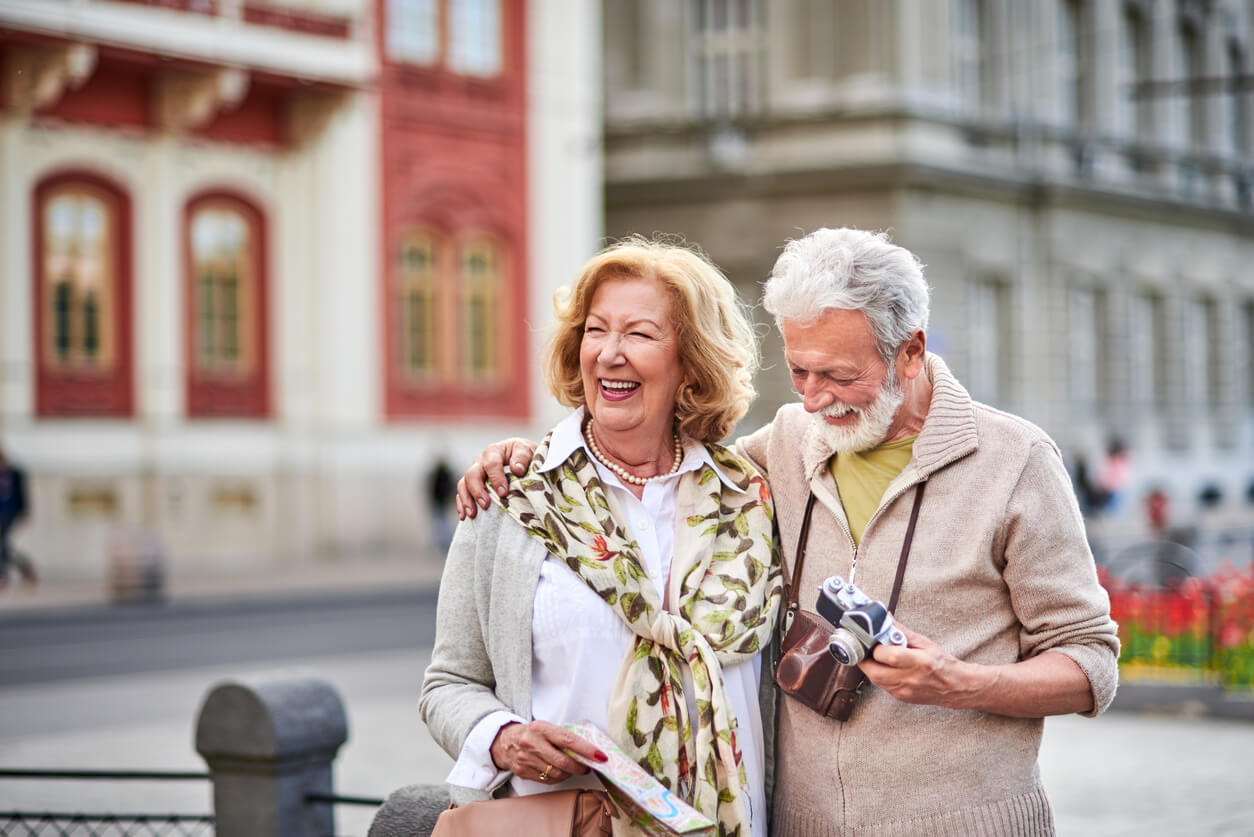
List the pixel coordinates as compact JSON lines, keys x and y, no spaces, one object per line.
{"x":845,"y":647}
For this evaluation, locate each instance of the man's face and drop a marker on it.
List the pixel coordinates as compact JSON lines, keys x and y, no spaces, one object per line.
{"x":842,"y":379}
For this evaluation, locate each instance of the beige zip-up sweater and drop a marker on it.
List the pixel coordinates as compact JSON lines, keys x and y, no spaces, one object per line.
{"x":999,"y":571}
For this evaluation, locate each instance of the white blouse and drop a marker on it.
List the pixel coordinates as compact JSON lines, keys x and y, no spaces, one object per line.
{"x":579,"y":642}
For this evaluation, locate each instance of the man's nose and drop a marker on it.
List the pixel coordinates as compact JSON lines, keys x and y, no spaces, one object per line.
{"x":815,"y":396}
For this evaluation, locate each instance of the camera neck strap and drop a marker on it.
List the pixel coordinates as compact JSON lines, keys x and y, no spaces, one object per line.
{"x":792,"y":583}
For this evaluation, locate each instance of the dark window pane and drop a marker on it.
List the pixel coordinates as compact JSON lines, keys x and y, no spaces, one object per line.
{"x":91,"y":327}
{"x":208,"y":320}
{"x":478,"y":335}
{"x":63,"y":312}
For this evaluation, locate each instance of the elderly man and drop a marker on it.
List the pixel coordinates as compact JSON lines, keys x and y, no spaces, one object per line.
{"x":1005,"y":620}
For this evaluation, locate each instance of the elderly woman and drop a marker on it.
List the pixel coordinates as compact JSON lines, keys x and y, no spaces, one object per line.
{"x":629,"y":577}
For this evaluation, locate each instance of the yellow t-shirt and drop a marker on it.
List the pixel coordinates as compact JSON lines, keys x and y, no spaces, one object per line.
{"x":862,"y":478}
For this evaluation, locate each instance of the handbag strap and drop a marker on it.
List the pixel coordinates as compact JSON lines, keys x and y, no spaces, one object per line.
{"x":791,"y":584}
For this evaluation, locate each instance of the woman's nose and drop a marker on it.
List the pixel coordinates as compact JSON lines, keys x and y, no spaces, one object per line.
{"x":611,"y":349}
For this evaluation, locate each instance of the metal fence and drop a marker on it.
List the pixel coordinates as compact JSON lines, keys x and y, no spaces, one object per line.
{"x":269,"y":742}
{"x":111,"y":824}
{"x":50,"y":824}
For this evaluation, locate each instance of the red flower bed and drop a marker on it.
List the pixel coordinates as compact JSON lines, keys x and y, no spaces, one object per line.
{"x":1191,"y":629}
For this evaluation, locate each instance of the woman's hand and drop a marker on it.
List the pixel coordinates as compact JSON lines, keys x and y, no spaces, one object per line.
{"x":473,"y":492}
{"x":536,"y":751}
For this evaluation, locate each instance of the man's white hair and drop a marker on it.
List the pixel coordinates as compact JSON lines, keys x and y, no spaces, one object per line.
{"x":852,"y":270}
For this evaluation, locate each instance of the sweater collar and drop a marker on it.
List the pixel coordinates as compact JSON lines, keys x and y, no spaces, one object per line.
{"x":949,"y":431}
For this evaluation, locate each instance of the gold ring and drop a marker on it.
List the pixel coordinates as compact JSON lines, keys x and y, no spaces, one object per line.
{"x":544,"y":777}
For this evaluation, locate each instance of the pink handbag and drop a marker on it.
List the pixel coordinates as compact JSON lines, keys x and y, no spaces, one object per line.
{"x":567,"y":813}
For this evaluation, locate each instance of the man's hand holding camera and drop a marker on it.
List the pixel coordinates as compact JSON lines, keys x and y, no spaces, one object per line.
{"x":914,"y":669}
{"x":923,"y":672}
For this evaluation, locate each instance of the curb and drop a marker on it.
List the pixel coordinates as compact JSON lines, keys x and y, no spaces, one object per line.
{"x":1191,"y":700}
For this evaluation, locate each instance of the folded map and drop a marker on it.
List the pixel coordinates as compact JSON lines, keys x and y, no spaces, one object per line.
{"x":644,"y":800}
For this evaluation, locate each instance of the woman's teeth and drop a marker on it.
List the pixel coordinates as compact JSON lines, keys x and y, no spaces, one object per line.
{"x":620,"y":386}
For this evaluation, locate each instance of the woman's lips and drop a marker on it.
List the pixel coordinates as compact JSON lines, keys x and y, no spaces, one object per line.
{"x":612,"y":390}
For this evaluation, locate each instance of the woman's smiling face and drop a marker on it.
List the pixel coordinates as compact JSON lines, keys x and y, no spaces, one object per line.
{"x":629,"y":359}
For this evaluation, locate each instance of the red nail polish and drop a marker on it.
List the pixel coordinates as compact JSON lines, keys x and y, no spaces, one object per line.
{"x":602,"y":756}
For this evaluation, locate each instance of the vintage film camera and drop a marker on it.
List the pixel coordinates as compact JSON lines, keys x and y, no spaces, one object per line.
{"x":859,"y":620}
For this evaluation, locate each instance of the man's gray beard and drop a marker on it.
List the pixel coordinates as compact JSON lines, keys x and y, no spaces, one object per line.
{"x":873,"y":422}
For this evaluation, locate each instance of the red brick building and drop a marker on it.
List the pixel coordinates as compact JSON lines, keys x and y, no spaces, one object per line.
{"x":264,"y":261}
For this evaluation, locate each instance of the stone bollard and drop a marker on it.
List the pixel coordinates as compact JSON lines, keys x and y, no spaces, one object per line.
{"x":269,"y":741}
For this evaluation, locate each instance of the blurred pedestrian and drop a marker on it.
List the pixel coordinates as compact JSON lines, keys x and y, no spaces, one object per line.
{"x":440,"y":489}
{"x":1156,"y":512}
{"x":1091,"y":496}
{"x":13,"y":508}
{"x":1114,"y":476}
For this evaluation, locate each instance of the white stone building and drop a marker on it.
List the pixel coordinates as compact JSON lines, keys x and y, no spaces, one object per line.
{"x":1087,"y":222}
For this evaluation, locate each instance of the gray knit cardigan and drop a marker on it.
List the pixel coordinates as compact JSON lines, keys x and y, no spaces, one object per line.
{"x":1000,"y":571}
{"x":481,"y":662}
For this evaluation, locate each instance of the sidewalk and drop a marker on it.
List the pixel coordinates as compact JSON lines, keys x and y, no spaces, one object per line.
{"x":312,"y":577}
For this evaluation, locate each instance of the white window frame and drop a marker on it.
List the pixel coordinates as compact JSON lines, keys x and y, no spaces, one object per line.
{"x":413,"y":31}
{"x":737,"y":47}
{"x":475,"y":37}
{"x":987,"y":343}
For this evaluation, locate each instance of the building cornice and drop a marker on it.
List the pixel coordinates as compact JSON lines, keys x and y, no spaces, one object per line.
{"x":222,"y":41}
{"x":709,"y":186}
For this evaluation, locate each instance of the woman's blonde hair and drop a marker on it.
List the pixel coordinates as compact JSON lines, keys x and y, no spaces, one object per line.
{"x":717,"y":347}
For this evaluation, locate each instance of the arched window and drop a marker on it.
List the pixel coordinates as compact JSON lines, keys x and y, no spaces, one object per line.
{"x":227,"y":366}
{"x":481,"y":283}
{"x":82,"y":284}
{"x":417,"y":300}
{"x":453,"y":347}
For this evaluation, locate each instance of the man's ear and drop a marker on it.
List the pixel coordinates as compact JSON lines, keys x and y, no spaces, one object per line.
{"x":910,"y":357}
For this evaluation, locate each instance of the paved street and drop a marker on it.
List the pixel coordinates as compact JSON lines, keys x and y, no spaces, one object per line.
{"x":102,"y":640}
{"x":1121,"y":774}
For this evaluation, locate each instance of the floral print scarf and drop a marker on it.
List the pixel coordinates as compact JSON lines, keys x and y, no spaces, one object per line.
{"x":726,"y":566}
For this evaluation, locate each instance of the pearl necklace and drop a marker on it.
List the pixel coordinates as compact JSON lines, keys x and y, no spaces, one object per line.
{"x":623,"y":473}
